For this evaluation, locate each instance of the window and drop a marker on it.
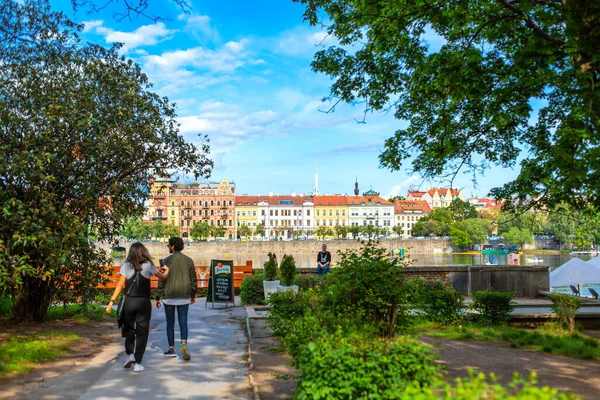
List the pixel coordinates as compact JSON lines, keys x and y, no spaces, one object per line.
{"x":194,"y":202}
{"x":188,"y":222}
{"x":263,"y":213}
{"x":318,"y":222}
{"x":230,"y":222}
{"x":308,"y":213}
{"x":181,"y":222}
{"x":212,"y":202}
{"x":271,"y":222}
{"x":230,"y":202}
{"x":317,"y":213}
{"x":218,"y":202}
{"x":212,"y":222}
{"x":182,"y":203}
{"x":194,"y":212}
{"x":308,"y":222}
{"x":244,"y":213}
{"x":218,"y":222}
{"x":330,"y":213}
{"x":238,"y":213}
{"x":212,"y":212}
{"x":254,"y":213}
{"x":276,"y":213}
{"x":271,"y":213}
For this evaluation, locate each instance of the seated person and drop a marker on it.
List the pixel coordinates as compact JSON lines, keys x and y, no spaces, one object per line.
{"x":323,"y":260}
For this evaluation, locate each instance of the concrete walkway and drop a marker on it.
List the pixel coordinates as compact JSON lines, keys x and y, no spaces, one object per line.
{"x":217,"y":369}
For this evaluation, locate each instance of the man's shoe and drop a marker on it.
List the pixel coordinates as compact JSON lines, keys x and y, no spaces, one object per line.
{"x":130,"y":361}
{"x":138,"y":367}
{"x":170,"y":353}
{"x":184,"y":351}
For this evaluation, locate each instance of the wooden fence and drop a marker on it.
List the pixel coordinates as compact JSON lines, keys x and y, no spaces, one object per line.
{"x":202,"y":273}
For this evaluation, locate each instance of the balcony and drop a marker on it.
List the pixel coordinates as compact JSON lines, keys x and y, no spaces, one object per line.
{"x":187,"y":217}
{"x":159,"y":196}
{"x":205,"y":207}
{"x":159,"y":217}
{"x":205,"y":217}
{"x":224,"y":216}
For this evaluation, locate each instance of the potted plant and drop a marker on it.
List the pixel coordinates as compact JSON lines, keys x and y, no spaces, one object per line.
{"x":270,"y":282}
{"x":288,"y":273}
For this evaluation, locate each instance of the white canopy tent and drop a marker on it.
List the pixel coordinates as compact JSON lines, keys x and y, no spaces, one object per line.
{"x":595,"y":261}
{"x":575,"y":272}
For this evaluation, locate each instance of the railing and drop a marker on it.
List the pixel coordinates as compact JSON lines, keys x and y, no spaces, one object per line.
{"x":202,"y":273}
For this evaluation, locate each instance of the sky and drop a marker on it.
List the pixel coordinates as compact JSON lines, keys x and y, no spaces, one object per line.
{"x":239,"y":72}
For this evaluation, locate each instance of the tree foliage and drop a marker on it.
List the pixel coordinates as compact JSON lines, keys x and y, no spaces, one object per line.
{"x":81,"y":136}
{"x":469,"y":104}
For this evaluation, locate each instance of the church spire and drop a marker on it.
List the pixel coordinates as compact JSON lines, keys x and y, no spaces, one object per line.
{"x":356,"y":191}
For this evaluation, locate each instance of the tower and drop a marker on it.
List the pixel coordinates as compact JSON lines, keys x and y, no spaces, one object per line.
{"x":316,"y":180}
{"x":356,"y":191}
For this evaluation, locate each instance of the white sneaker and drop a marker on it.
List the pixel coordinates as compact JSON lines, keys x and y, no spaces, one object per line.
{"x":138,"y":367}
{"x":130,"y":361}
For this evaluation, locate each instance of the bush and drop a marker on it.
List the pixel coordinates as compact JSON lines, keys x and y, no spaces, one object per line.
{"x":440,"y":303}
{"x":369,"y":284}
{"x":358,"y":366}
{"x":5,"y":306}
{"x":306,"y":281}
{"x":252,"y":290}
{"x":565,"y":307}
{"x":287,"y":269}
{"x":494,"y":307}
{"x":476,"y":387}
{"x":286,"y":306}
{"x":270,"y":268}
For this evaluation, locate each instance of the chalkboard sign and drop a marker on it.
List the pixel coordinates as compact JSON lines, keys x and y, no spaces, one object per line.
{"x":220,"y":285}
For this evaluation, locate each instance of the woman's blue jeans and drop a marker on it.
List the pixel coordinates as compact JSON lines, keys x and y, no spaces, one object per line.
{"x":182,"y":316}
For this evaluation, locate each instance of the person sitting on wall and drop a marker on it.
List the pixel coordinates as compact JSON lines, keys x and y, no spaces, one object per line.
{"x":323,"y":260}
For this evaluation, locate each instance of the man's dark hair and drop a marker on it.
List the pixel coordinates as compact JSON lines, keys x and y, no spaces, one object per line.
{"x":176,"y":242}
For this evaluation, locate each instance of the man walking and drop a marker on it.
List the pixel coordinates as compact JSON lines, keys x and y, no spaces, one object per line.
{"x":323,"y":260}
{"x":177,"y":293}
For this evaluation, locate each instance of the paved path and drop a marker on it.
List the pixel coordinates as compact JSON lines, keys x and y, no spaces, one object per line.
{"x":217,"y":369}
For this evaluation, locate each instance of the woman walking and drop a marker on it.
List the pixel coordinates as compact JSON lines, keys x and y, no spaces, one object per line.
{"x":137,"y":309}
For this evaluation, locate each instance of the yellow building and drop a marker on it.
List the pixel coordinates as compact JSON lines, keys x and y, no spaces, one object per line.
{"x":161,"y":205}
{"x":246,"y":213}
{"x":331,"y":211}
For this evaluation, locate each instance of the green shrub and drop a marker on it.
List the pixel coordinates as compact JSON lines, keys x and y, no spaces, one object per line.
{"x":565,"y":307}
{"x":494,"y":307}
{"x":77,"y":312}
{"x":306,"y":281}
{"x":5,"y":306}
{"x":252,"y":290}
{"x":369,"y":284}
{"x":440,"y":303}
{"x":270,"y":268}
{"x":357,"y":366}
{"x":477,"y":387}
{"x":287,"y":306}
{"x":287,"y":269}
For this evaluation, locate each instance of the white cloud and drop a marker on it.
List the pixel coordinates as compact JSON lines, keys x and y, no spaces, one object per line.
{"x":228,"y":58}
{"x":146,"y":35}
{"x":402,"y":188}
{"x":302,"y":42}
{"x":199,"y":26}
{"x":89,"y":25}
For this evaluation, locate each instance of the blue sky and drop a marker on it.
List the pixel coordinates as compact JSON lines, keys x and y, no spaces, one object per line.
{"x":239,"y":71}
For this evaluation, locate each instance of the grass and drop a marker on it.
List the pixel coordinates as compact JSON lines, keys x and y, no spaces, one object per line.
{"x":547,"y":339}
{"x":78,"y":313}
{"x":20,"y":353}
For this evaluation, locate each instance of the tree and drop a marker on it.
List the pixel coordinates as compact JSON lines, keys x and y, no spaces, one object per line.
{"x":477,"y":229}
{"x":260,"y":230}
{"x":461,"y":210}
{"x":562,"y":223}
{"x":398,"y":230}
{"x":468,"y":103}
{"x":395,"y":198}
{"x":158,"y":229}
{"x":321,"y":231}
{"x":218,"y":231}
{"x":135,"y":228}
{"x":341,"y":231}
{"x":171,"y":230}
{"x":244,"y":231}
{"x":369,"y":230}
{"x":460,"y":238}
{"x":74,"y":117}
{"x":518,"y":237}
{"x":354,"y":230}
{"x":200,"y":230}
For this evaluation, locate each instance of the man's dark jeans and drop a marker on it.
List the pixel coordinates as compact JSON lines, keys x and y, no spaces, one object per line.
{"x":182,"y":316}
{"x":322,"y":270}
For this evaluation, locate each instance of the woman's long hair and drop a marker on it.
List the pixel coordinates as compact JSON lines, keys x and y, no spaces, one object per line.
{"x":138,"y":254}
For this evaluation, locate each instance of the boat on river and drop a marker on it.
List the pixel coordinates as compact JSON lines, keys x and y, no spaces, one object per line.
{"x":534,"y":260}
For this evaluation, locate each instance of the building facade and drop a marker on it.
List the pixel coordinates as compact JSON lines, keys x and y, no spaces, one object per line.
{"x":370,"y":209}
{"x":331,"y":211}
{"x":286,"y":216}
{"x":436,"y":197}
{"x":408,"y":212}
{"x":246,"y":213}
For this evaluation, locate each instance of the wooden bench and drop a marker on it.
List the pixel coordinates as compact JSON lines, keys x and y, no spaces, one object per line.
{"x":202,"y":273}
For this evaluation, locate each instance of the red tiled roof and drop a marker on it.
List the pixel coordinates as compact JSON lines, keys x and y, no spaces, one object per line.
{"x":330,"y":200}
{"x":246,"y":200}
{"x":276,"y":200}
{"x":443,"y":192}
{"x":416,"y":193}
{"x":358,"y":200}
{"x":411,"y":205}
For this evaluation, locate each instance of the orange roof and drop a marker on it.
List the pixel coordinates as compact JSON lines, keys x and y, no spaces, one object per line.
{"x":488,"y":203}
{"x":411,"y":205}
{"x":443,"y":192}
{"x":358,"y":200}
{"x":285,"y":200}
{"x":330,"y":200}
{"x":416,"y":193}
{"x":246,"y":200}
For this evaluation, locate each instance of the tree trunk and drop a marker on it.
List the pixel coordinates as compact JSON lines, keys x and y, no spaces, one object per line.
{"x":33,"y":299}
